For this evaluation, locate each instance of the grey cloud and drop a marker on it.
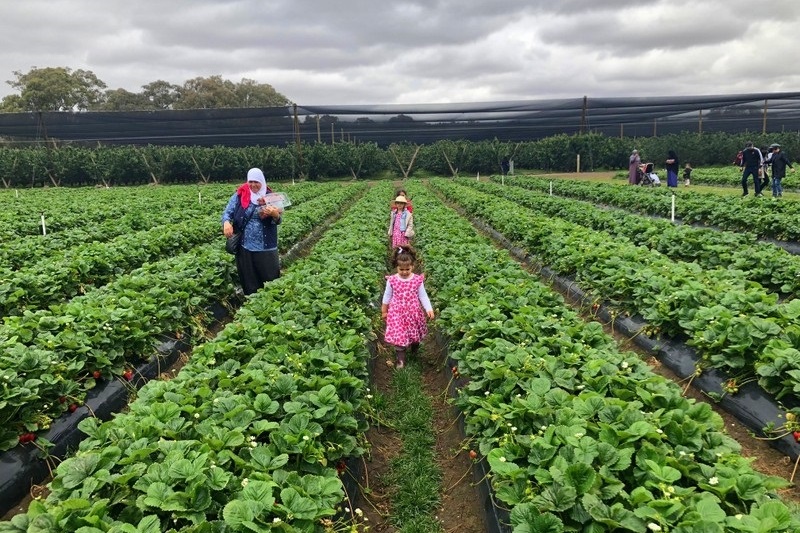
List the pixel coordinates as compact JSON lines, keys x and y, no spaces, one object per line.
{"x":365,"y":51}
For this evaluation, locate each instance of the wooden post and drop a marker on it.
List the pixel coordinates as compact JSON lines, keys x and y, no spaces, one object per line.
{"x":764,"y":119}
{"x":319,"y":135}
{"x":333,"y":135}
{"x":700,"y":121}
{"x":621,"y":135}
{"x":655,"y":131}
{"x":150,"y":170}
{"x":578,"y":164}
{"x":202,"y":176}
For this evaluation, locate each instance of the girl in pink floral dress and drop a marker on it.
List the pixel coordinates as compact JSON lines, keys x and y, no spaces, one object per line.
{"x":403,"y":303}
{"x":401,"y":223}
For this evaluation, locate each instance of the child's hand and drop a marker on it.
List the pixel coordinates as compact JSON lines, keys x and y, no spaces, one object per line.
{"x":384,"y":315}
{"x":431,"y":314}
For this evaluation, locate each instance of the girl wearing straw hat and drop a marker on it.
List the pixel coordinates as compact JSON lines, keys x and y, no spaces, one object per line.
{"x":401,"y":223}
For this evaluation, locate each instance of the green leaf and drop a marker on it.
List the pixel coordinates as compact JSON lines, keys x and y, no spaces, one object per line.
{"x":236,"y":512}
{"x":73,"y":471}
{"x":749,"y":487}
{"x":775,"y":512}
{"x":301,"y":507}
{"x":149,"y":524}
{"x":500,"y":464}
{"x":556,"y":497}
{"x":527,"y":519}
{"x":259,"y":491}
{"x":710,"y":510}
{"x":581,"y":477}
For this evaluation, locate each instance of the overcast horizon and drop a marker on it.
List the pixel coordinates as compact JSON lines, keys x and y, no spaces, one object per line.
{"x":367,"y":52}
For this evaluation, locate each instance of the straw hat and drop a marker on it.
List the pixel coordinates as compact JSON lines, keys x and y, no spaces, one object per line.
{"x":401,"y":200}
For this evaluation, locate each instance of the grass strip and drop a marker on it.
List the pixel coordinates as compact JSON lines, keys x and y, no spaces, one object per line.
{"x":415,"y":477}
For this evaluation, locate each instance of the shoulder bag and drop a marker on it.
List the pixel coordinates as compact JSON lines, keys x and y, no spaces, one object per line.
{"x":234,"y":242}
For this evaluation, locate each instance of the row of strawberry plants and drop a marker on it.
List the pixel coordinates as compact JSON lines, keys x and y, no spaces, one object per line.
{"x":102,"y":215}
{"x":92,"y":264}
{"x":66,"y":209}
{"x":771,"y":266}
{"x":252,"y":432}
{"x":774,"y":220}
{"x":50,"y":357}
{"x":734,"y":324}
{"x":578,"y":435}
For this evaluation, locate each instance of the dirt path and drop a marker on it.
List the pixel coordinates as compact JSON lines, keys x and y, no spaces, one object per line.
{"x":459,"y":509}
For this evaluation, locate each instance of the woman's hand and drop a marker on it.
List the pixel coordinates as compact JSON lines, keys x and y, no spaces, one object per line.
{"x":269,"y":211}
{"x":227,"y":229}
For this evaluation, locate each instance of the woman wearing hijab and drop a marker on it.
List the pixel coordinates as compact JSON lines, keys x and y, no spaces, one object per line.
{"x":672,"y":169}
{"x":633,"y":168}
{"x":257,"y":260}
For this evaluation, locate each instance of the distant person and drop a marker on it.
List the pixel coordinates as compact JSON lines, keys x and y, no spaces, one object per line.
{"x":505,"y":166}
{"x":633,"y":167}
{"x":737,"y":161}
{"x":687,"y":174}
{"x":402,"y":192}
{"x":751,"y":166}
{"x":779,"y":162}
{"x":257,"y":260}
{"x":672,"y":169}
{"x":404,"y":305}
{"x":766,"y":155}
{"x":401,"y":223}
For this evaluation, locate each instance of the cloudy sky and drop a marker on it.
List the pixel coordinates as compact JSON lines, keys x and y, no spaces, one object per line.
{"x":426,"y":51}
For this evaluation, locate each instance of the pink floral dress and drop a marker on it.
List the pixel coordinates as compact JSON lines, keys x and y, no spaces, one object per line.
{"x":405,"y":321}
{"x":398,"y":237}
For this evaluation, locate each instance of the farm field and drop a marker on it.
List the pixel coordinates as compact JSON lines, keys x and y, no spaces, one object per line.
{"x":257,"y":430}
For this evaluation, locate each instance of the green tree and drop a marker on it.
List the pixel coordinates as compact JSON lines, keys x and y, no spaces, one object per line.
{"x":249,"y":93}
{"x":161,"y":94}
{"x":215,"y":92}
{"x":122,"y":100}
{"x":55,"y":89}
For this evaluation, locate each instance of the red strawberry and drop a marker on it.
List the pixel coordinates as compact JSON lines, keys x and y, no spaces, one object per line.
{"x":73,"y":407}
{"x":473,"y":454}
{"x":97,"y":374}
{"x":128,"y":374}
{"x":796,"y":436}
{"x":62,"y":399}
{"x":27,"y":437}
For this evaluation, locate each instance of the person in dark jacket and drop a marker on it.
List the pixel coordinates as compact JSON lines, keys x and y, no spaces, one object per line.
{"x":751,"y":166}
{"x":672,"y":169}
{"x":257,"y":260}
{"x":779,"y":161}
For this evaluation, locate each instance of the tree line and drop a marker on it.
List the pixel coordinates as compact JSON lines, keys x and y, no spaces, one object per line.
{"x":51,"y":164}
{"x":64,"y":89}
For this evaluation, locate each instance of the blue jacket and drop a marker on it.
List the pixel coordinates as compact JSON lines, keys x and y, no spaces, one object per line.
{"x":260,"y":235}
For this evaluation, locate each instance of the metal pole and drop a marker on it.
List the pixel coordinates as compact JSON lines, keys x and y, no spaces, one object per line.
{"x":764,"y":119}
